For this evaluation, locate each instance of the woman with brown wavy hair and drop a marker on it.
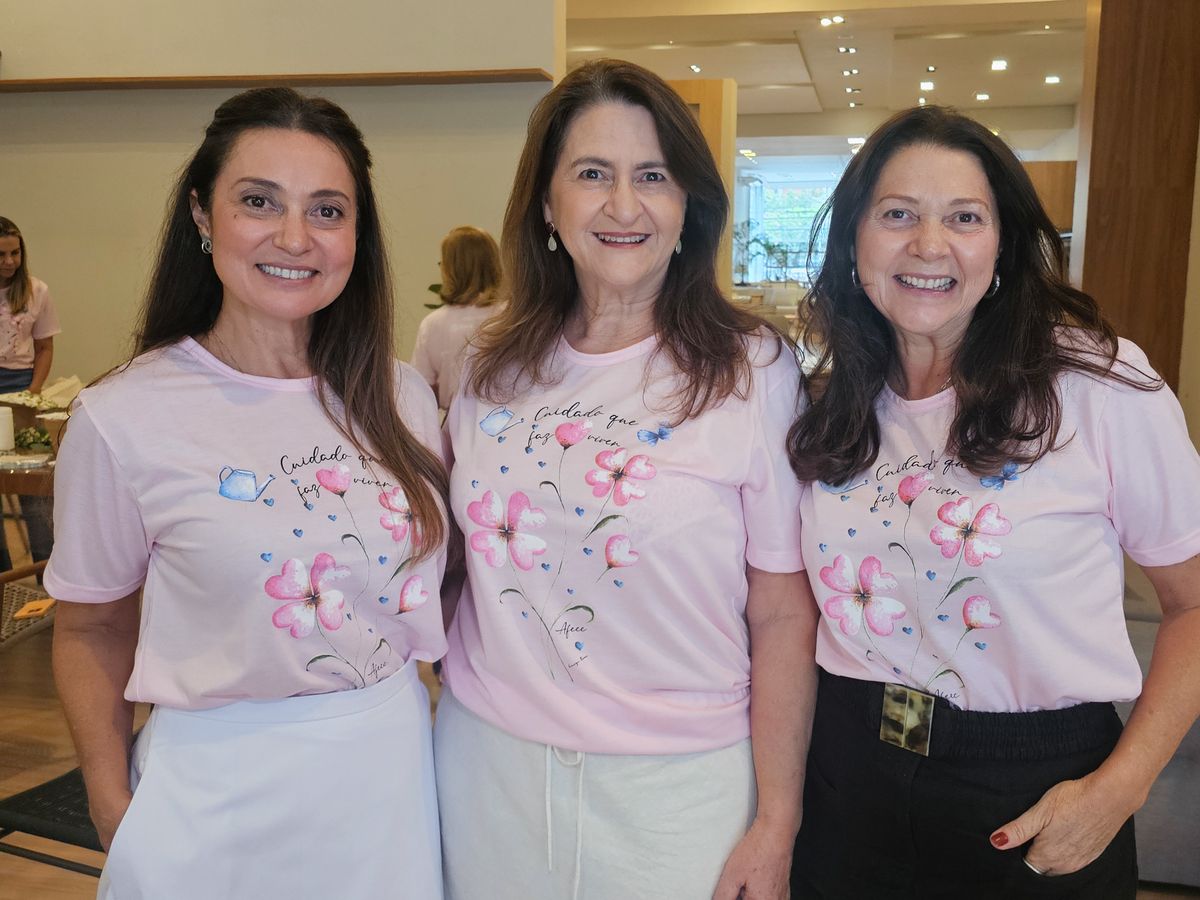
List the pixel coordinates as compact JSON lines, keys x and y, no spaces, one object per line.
{"x":632,"y":534}
{"x":264,"y":478}
{"x":981,"y":449}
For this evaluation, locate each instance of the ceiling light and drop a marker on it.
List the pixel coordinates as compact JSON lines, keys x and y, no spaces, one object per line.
{"x":931,"y":68}
{"x":1052,"y":79}
{"x":695,"y":68}
{"x":983,"y":96}
{"x":1047,"y":27}
{"x":749,"y":154}
{"x":826,"y":22}
{"x":999,"y":65}
{"x":846,"y":72}
{"x":920,"y":101}
{"x":853,"y":90}
{"x":852,"y":141}
{"x":854,"y":150}
{"x":852,"y":50}
{"x":838,"y":20}
{"x":853,"y":104}
{"x":927,"y":85}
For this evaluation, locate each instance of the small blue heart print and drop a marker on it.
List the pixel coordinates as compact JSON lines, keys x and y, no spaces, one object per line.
{"x":545,"y":567}
{"x":383,"y":560}
{"x":907,"y":629}
{"x":501,"y":439}
{"x":896,"y":670}
{"x":982,"y":645}
{"x":571,"y":592}
{"x":504,"y":470}
{"x":541,"y":464}
{"x":852,"y":531}
{"x":370,"y":631}
{"x":474,"y":484}
{"x":265,"y":557}
{"x":579,"y":645}
{"x":942,"y":617}
{"x":383,"y":599}
{"x":579,"y":511}
{"x":331,"y":517}
{"x":269,"y":501}
{"x":845,"y":497}
{"x":348,"y":616}
{"x":528,"y":450}
{"x":524,"y":614}
{"x":618,"y":582}
{"x":930,"y":574}
{"x":298,"y":532}
{"x":879,"y":488}
{"x":587,"y":551}
{"x":295,"y":481}
{"x":887,"y":523}
{"x":308,"y":506}
{"x":822,"y":547}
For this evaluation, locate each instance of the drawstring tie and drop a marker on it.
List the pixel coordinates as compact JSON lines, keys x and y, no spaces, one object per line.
{"x":574,"y":759}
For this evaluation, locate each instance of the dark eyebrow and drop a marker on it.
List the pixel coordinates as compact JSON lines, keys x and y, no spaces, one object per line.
{"x":269,"y":185}
{"x":957,"y":201}
{"x":607,"y":164}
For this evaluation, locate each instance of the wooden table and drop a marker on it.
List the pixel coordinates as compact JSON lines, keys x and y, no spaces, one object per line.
{"x":38,"y":482}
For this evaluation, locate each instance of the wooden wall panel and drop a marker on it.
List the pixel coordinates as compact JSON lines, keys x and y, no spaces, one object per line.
{"x":1055,"y":184}
{"x":1142,"y":169}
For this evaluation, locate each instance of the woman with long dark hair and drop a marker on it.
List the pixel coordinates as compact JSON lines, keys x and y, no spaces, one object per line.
{"x":262,"y":477}
{"x":980,"y":449}
{"x":632,"y":534}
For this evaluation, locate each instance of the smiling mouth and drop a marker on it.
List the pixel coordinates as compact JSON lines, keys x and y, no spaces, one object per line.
{"x":289,"y":274}
{"x":927,"y":284}
{"x":621,"y":238}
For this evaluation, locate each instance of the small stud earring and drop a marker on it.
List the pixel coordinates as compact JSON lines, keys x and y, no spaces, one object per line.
{"x":206,"y":246}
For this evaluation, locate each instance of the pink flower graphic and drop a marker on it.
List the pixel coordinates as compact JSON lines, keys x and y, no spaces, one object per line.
{"x":335,"y":480}
{"x":958,"y":528}
{"x":912,"y":486}
{"x":619,"y":552}
{"x":398,"y":517}
{"x":977,"y":613}
{"x":615,"y":473}
{"x":568,"y":434}
{"x":511,"y":531}
{"x":308,"y":596}
{"x":860,"y":599}
{"x":413,"y":594}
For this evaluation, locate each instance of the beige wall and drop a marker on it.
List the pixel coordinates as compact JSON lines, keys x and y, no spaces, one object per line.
{"x":86,"y":174}
{"x":1189,"y":363}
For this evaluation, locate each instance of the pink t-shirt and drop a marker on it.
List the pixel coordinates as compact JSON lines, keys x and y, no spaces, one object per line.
{"x":606,"y":552}
{"x":271,"y":554}
{"x":1003,"y":592}
{"x":441,"y":348}
{"x":17,"y":333}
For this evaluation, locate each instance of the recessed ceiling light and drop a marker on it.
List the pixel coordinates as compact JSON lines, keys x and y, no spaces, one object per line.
{"x":856,"y":140}
{"x":749,"y":154}
{"x":1052,"y":79}
{"x":983,"y":96}
{"x":920,"y":101}
{"x":853,"y":90}
{"x":999,"y":65}
{"x":694,"y":68}
{"x":670,"y":42}
{"x":846,"y":72}
{"x":853,"y":50}
{"x":826,"y":22}
{"x":853,"y":104}
{"x":838,"y":20}
{"x":927,"y":85}
{"x":1047,"y":27}
{"x":931,"y":68}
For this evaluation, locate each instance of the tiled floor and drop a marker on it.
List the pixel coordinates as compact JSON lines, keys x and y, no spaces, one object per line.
{"x":35,"y":746}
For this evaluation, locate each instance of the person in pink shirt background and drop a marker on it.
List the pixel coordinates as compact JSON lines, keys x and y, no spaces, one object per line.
{"x":249,"y":526}
{"x":980,"y":450}
{"x":470,"y":265}
{"x":630,"y":674}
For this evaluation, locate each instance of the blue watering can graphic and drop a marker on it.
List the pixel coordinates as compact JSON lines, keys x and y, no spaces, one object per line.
{"x":238,"y":484}
{"x":498,"y":421}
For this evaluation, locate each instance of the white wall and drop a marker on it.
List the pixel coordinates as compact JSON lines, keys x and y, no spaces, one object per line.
{"x":1189,"y":365}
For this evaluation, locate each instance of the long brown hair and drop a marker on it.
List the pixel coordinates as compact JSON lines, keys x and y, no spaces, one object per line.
{"x":350,"y":346}
{"x":1006,"y":369}
{"x":20,"y":289}
{"x":701,"y":332}
{"x":470,"y":267}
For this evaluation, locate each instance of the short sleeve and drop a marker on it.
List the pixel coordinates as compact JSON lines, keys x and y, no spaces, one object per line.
{"x":422,"y":359}
{"x":101,"y":550}
{"x":1154,"y":471}
{"x":46,"y":325}
{"x":771,"y":493}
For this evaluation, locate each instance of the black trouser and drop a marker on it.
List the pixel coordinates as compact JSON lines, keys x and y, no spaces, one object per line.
{"x":883,"y":822}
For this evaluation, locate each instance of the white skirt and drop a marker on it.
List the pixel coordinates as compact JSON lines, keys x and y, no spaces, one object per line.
{"x":323,"y":796}
{"x":524,"y":821}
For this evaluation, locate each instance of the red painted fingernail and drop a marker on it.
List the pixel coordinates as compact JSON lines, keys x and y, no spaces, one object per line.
{"x":1000,"y":839}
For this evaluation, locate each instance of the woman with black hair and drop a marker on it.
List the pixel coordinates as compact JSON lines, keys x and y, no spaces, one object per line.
{"x":980,"y":449}
{"x":264,"y":478}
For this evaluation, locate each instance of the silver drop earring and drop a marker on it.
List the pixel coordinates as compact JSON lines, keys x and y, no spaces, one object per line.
{"x":679,"y":246}
{"x":551,"y":243}
{"x":995,"y":286}
{"x":206,"y":246}
{"x":854,"y":276}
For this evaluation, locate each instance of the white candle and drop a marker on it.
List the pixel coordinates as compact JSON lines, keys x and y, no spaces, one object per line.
{"x":6,"y":428}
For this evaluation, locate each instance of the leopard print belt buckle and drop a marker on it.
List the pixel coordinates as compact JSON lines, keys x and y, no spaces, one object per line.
{"x":907,"y":718}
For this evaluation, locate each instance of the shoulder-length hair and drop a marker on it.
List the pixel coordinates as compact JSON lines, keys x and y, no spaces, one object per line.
{"x":20,"y":289}
{"x":1005,"y":371}
{"x":470,"y":267}
{"x":702,"y":333}
{"x":350,"y":347}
